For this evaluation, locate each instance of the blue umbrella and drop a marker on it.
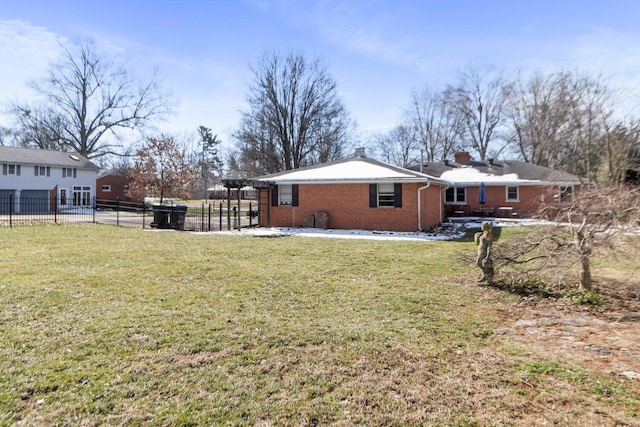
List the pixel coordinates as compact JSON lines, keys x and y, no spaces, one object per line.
{"x":482,"y":197}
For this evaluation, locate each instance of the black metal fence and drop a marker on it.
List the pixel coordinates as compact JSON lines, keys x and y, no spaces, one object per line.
{"x":16,"y":211}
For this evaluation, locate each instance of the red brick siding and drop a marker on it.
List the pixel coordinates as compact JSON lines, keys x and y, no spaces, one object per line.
{"x":117,"y":183}
{"x":348,"y":208}
{"x":529,"y":200}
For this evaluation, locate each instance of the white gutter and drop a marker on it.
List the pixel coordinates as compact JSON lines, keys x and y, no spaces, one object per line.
{"x":420,"y":205}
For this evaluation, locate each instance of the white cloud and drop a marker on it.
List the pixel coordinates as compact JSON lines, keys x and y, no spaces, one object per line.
{"x":26,"y":52}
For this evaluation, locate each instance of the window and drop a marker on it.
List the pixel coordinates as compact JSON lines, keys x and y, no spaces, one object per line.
{"x":68,"y":172}
{"x":285,"y":194}
{"x":81,"y":196}
{"x":387,"y":194}
{"x":42,"y":171}
{"x":106,"y":188}
{"x":513,"y":195}
{"x":456,"y":195}
{"x":566,"y":192}
{"x":11,"y":169}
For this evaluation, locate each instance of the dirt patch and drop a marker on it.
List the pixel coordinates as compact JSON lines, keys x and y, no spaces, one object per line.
{"x":606,"y":337}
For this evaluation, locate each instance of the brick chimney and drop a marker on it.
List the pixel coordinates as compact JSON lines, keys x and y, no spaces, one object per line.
{"x":462,"y":157}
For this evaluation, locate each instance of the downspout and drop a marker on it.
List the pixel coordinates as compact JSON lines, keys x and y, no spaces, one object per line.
{"x":420,"y":205}
{"x":440,"y":202}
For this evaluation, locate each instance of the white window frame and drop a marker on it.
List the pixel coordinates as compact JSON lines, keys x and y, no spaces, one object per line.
{"x":456,"y":198}
{"x":81,"y":195}
{"x":106,"y":188}
{"x":9,"y":169}
{"x":511,"y":199}
{"x":386,"y":195}
{"x":285,"y":194}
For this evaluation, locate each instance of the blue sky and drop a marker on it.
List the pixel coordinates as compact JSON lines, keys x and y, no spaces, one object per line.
{"x":377,"y":51}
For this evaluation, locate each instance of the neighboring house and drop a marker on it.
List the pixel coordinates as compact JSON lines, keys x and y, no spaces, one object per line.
{"x":112,"y":184}
{"x":512,"y":188}
{"x":352,"y":193}
{"x":35,"y":180}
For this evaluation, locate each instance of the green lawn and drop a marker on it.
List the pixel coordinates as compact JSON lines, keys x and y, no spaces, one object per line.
{"x":105,"y":325}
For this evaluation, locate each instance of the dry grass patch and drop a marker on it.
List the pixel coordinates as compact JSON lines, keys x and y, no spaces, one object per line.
{"x":103,"y":325}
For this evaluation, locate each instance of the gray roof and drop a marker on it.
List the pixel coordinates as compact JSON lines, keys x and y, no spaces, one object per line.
{"x":349,"y":170}
{"x":29,"y":156}
{"x":497,"y":169}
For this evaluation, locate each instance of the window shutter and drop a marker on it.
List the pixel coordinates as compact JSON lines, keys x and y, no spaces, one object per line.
{"x":64,"y":172}
{"x":18,"y":170}
{"x":48,"y":171}
{"x":397,"y":195}
{"x":274,"y":196}
{"x":294,"y":195}
{"x":373,"y":195}
{"x":4,"y":169}
{"x":35,"y":171}
{"x":74,"y":172}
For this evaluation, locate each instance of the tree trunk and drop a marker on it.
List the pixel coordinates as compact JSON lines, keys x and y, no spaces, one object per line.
{"x":585,"y":272}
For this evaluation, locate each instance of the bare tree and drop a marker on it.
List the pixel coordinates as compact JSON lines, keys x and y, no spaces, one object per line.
{"x":584,"y":223}
{"x":620,"y":148}
{"x":559,"y":120}
{"x":435,"y":122}
{"x":481,"y":99}
{"x":89,"y":103}
{"x":399,"y":146}
{"x":161,"y":170}
{"x":539,"y":116}
{"x":295,"y":117}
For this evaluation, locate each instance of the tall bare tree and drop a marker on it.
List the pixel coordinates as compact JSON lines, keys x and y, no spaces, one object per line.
{"x":399,"y":146}
{"x":559,"y":119}
{"x":539,"y":116}
{"x":481,"y":98}
{"x":89,"y":104}
{"x":295,"y":116}
{"x":436,"y":123}
{"x":620,"y":151}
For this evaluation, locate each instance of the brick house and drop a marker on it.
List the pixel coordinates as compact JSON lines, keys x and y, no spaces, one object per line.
{"x":352,"y":193}
{"x":512,"y":188}
{"x":113,"y":184}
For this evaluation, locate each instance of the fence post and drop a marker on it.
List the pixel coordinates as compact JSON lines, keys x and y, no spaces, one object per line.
{"x":95,"y":207}
{"x":220,"y":217}
{"x":209,"y":219}
{"x":118,"y":211}
{"x":10,"y":210}
{"x":202,"y":217}
{"x":144,"y":213}
{"x":55,"y":210}
{"x":250,"y":214}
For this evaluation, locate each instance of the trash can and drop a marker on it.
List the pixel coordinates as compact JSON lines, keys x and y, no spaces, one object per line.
{"x":160,"y":216}
{"x":177,"y":216}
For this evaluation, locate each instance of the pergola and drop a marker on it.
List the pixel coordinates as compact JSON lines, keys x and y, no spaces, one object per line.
{"x":238,"y":184}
